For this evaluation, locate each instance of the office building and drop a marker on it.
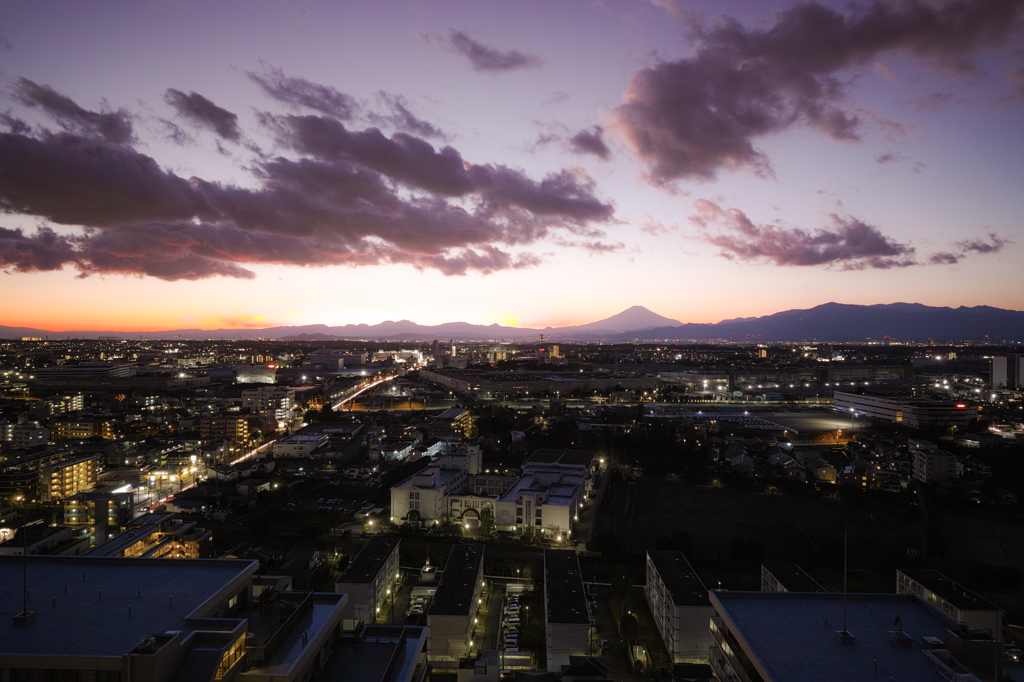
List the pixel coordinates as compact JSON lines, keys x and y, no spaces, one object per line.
{"x":371,"y":580}
{"x":680,"y":605}
{"x":452,"y":615}
{"x":566,"y":614}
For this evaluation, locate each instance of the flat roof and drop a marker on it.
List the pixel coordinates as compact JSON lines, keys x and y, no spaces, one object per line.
{"x":791,"y":636}
{"x":949,"y":590}
{"x":681,"y":581}
{"x":458,"y":583}
{"x":563,"y":587}
{"x":81,"y":623}
{"x":369,"y":561}
{"x":581,"y":458}
{"x":793,"y":578}
{"x":370,"y":661}
{"x":440,"y":475}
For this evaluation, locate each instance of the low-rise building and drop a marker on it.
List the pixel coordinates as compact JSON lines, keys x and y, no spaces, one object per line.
{"x":451,"y":618}
{"x":951,"y":599}
{"x":680,"y":605}
{"x":787,"y":578}
{"x":371,"y":579}
{"x":567,"y":625}
{"x":932,"y":465}
{"x":158,"y":535}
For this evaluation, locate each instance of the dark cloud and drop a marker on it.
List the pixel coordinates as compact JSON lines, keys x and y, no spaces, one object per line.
{"x":590,"y":142}
{"x":113,"y":126}
{"x":848,"y":243}
{"x":205,"y":113}
{"x":351,"y":197}
{"x":886,"y":157}
{"x":74,"y":180}
{"x":402,"y":118}
{"x":943,"y":258}
{"x":690,"y":118}
{"x":301,"y":93}
{"x":485,"y":57}
{"x":417,"y":164}
{"x":13,"y":123}
{"x":45,"y":250}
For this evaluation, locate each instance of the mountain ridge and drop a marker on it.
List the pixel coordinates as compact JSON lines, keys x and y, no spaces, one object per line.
{"x":826,"y":322}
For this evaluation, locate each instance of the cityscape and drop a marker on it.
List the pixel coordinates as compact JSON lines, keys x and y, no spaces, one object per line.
{"x":512,"y":342}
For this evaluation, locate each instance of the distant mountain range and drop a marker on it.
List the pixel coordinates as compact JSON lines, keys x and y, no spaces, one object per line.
{"x":828,"y":322}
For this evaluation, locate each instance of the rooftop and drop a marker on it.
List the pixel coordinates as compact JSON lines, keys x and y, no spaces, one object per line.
{"x":82,"y":602}
{"x":949,"y":590}
{"x":458,"y":583}
{"x":793,"y":578}
{"x":563,"y":587}
{"x":383,"y":650}
{"x":792,"y":636}
{"x":369,"y":561}
{"x":681,"y":581}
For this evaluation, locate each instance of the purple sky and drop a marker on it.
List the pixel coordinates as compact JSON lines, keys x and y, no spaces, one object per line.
{"x":171,"y":164}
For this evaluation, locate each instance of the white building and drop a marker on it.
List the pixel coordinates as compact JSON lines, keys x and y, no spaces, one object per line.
{"x":917,"y":414}
{"x":299,"y":445}
{"x":451,"y":618}
{"x":277,"y":402}
{"x":255,"y":374}
{"x":371,"y":579}
{"x":566,"y":614}
{"x":932,"y":465}
{"x":680,"y":605}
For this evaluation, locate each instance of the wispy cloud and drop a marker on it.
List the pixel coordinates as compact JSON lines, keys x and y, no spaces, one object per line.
{"x":484,"y":58}
{"x":112,"y":126}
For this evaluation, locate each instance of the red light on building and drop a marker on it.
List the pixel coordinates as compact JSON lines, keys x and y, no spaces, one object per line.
{"x":271,"y":366}
{"x":961,"y":405}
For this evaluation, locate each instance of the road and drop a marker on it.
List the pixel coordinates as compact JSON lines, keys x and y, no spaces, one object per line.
{"x":618,"y":659}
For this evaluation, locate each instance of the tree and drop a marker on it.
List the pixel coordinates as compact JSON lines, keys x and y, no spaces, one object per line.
{"x":487,"y":526}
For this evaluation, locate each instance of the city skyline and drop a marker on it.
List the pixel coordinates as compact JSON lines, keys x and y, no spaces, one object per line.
{"x":171,"y":166}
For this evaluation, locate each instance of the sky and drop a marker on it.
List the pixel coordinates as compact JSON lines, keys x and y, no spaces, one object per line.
{"x":185,"y":164}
